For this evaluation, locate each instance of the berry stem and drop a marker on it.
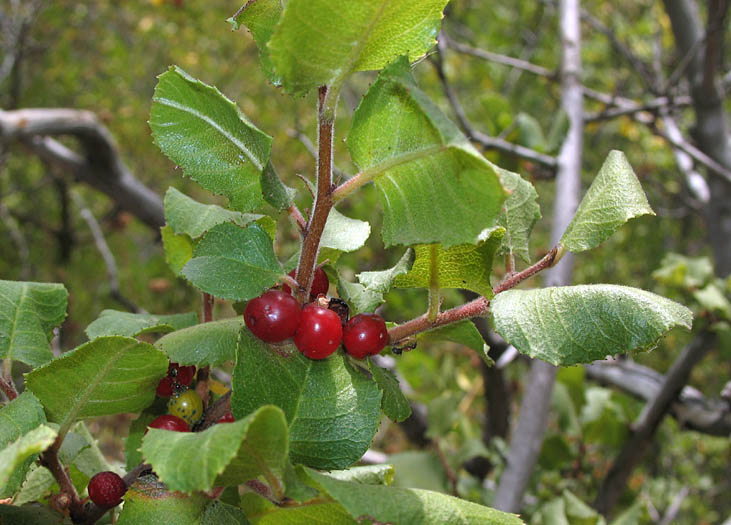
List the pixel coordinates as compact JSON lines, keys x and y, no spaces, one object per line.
{"x":217,"y":410}
{"x":433,"y":310}
{"x":50,"y":460}
{"x":323,"y":198}
{"x":201,"y":385}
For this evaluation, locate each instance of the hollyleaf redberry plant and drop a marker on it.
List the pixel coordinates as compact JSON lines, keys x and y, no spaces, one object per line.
{"x":301,"y":414}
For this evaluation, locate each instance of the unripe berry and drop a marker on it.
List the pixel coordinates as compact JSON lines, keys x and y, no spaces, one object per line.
{"x":320,"y":283}
{"x":273,"y":316}
{"x":364,"y":335}
{"x":106,"y":489}
{"x":187,"y":405}
{"x":319,"y":332}
{"x":168,"y":422}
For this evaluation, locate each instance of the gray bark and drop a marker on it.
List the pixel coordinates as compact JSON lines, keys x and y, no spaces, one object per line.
{"x":101,"y":165}
{"x":528,"y":435}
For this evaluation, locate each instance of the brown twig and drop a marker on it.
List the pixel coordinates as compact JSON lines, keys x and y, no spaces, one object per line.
{"x":8,"y":387}
{"x":448,"y":471}
{"x":219,"y":408}
{"x":514,"y":279}
{"x":50,"y":460}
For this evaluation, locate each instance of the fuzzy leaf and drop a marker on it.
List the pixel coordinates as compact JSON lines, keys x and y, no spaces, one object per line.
{"x":407,"y":506}
{"x":260,"y":17}
{"x":435,"y":187}
{"x":16,"y":453}
{"x":519,"y":214}
{"x":275,"y":191}
{"x":109,"y":375}
{"x":321,"y":42}
{"x":178,"y":249}
{"x":465,"y":266}
{"x":114,"y":322}
{"x":219,"y":513}
{"x":147,"y":502}
{"x":332,"y":410}
{"x":369,"y":474}
{"x":221,"y":455}
{"x":579,"y":324}
{"x":234,"y":263}
{"x":207,"y":135}
{"x":206,"y":344}
{"x":394,"y":402}
{"x":28,"y":314}
{"x":344,"y":234}
{"x":462,"y":332}
{"x":614,"y":197}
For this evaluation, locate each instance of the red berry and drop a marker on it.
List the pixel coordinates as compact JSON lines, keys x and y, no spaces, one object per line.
{"x":165,"y":387}
{"x":320,"y":283}
{"x":168,"y":422}
{"x":106,"y":489}
{"x":228,"y":417}
{"x":319,"y":332}
{"x":273,"y":316}
{"x":365,"y":334}
{"x":183,"y":375}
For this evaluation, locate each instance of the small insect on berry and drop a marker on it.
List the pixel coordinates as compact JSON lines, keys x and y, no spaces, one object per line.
{"x":187,"y":405}
{"x":364,"y":335}
{"x":273,"y":316}
{"x":106,"y":489}
{"x":169,"y":422}
{"x":319,"y":332}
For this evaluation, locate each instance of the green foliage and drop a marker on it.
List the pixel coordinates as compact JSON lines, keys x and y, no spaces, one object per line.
{"x":114,"y":322}
{"x":147,"y":500}
{"x":394,"y":403}
{"x":16,"y":453}
{"x":28,"y":314}
{"x":207,"y":344}
{"x":579,"y":324}
{"x":519,"y":214}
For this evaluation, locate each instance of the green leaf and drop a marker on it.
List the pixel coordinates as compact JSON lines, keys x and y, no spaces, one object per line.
{"x":394,"y":403}
{"x":332,"y":410}
{"x":28,"y":314}
{"x":614,"y":197}
{"x":234,"y":263}
{"x":434,"y":186}
{"x":186,"y":215}
{"x":109,"y":375}
{"x":579,"y":513}
{"x":348,"y":36}
{"x":21,"y":415}
{"x":325,"y":512}
{"x":147,"y":502}
{"x":369,"y":474}
{"x":634,"y":515}
{"x":463,"y":333}
{"x":15,"y":454}
{"x":519,"y":214}
{"x":579,"y":324}
{"x":419,"y":469}
{"x":343,"y":234}
{"x":207,"y":135}
{"x":37,"y":484}
{"x":368,"y":295}
{"x":178,"y":249}
{"x":530,"y":132}
{"x":206,"y":344}
{"x":219,"y":513}
{"x":260,"y":17}
{"x":114,"y":322}
{"x":684,"y":272}
{"x":408,"y":506}
{"x":712,"y":298}
{"x":221,"y":455}
{"x":466,"y":266}
{"x":137,"y":429}
{"x":33,"y":514}
{"x":274,"y":190}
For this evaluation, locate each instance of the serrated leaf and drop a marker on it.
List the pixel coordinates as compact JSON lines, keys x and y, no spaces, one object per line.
{"x":21,"y":415}
{"x":260,"y":17}
{"x":614,"y":197}
{"x":147,"y":501}
{"x":206,"y":344}
{"x":344,"y":234}
{"x":394,"y":402}
{"x":463,"y":332}
{"x":234,"y":263}
{"x":115,"y":322}
{"x":219,"y":513}
{"x":31,"y":514}
{"x":188,"y":216}
{"x":519,"y":214}
{"x":368,"y":295}
{"x":178,"y":249}
{"x":28,"y":314}
{"x":221,"y":455}
{"x":579,"y":324}
{"x":16,"y":453}
{"x":275,"y":192}
{"x":37,"y":484}
{"x":207,"y":135}
{"x":349,"y":36}
{"x":369,"y":474}
{"x":434,"y":186}
{"x":332,"y":410}
{"x":408,"y":506}
{"x":109,"y":375}
{"x":465,"y":266}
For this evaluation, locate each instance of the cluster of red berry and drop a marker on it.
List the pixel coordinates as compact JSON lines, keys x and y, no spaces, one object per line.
{"x":317,"y":330}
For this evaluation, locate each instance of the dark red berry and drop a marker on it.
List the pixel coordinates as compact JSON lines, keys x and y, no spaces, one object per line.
{"x":168,"y":422}
{"x":319,"y":332}
{"x":106,"y":489}
{"x":320,"y":283}
{"x":273,"y":316}
{"x":228,"y":417}
{"x":182,"y":375}
{"x":165,"y":387}
{"x":364,"y":335}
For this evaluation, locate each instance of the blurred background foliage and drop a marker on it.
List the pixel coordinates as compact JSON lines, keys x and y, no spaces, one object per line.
{"x":104,"y":56}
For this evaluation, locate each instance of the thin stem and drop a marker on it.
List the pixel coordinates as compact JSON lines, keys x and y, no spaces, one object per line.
{"x":217,"y":410}
{"x":448,"y":470}
{"x":297,"y":218}
{"x":509,"y":263}
{"x":433,"y":310}
{"x":514,"y":279}
{"x":8,"y":387}
{"x":49,"y":459}
{"x":323,"y":199}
